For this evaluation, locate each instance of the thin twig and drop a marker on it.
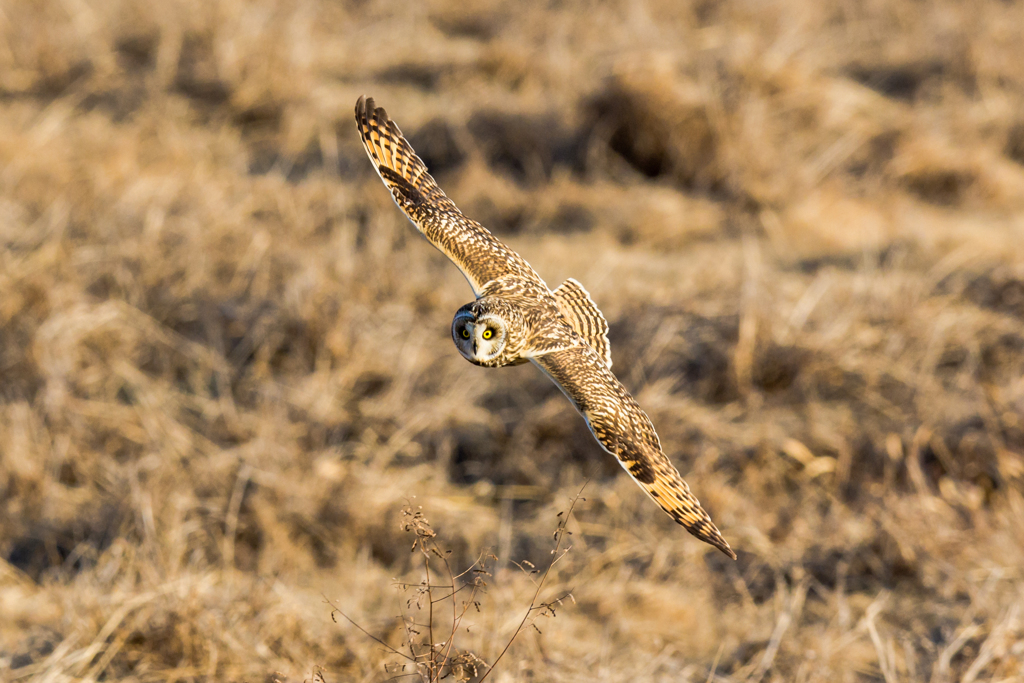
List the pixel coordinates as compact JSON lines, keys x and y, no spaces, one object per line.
{"x":452,"y":594}
{"x":365,"y":632}
{"x":455,"y":620}
{"x":470,"y":568}
{"x":559,"y":535}
{"x":430,"y":608}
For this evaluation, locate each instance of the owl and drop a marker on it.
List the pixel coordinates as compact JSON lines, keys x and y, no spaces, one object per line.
{"x":517,"y":319}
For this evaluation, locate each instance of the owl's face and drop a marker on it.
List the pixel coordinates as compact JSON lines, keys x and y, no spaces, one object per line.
{"x":480,"y":338}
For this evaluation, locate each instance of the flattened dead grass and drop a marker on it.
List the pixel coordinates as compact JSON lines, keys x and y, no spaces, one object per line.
{"x":226,"y":364}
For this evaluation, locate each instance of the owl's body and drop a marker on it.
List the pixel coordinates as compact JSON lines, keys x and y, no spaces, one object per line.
{"x":532,"y":320}
{"x":516,"y":318}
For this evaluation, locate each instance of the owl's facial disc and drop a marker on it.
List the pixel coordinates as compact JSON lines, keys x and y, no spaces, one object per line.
{"x":479,"y":340}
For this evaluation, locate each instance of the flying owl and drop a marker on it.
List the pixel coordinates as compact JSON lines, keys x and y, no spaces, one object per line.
{"x":517,"y":319}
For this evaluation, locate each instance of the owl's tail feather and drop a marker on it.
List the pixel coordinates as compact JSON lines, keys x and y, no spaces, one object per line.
{"x":396,"y":162}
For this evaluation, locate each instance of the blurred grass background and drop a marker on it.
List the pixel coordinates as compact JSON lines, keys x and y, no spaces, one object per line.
{"x":225,"y":363}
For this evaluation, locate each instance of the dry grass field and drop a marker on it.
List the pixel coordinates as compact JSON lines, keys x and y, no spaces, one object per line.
{"x":226,"y":369}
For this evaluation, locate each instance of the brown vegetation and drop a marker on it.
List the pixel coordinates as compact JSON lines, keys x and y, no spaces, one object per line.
{"x":226,"y":365}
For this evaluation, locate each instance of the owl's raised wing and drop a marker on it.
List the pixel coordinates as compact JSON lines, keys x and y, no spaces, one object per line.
{"x":625,"y":431}
{"x":479,"y":255}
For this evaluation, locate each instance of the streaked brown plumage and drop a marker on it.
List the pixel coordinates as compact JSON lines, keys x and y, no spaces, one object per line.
{"x":517,"y":318}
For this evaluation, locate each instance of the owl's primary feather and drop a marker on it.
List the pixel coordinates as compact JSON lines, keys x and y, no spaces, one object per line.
{"x":470,"y":246}
{"x":562,"y":332}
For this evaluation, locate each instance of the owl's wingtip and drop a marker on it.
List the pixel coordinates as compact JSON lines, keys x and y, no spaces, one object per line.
{"x":366,"y":107}
{"x":717,"y":540}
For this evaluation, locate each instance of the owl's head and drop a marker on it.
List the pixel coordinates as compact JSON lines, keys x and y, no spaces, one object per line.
{"x":482,"y":333}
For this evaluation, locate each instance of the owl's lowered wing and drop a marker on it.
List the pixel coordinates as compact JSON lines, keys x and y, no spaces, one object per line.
{"x":479,"y":255}
{"x":625,"y":431}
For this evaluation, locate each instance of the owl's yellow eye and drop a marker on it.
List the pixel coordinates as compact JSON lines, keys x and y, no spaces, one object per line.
{"x":465,"y":333}
{"x":488,"y":333}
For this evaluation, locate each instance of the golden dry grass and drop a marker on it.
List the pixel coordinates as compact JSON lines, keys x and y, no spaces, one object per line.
{"x":226,"y":365}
